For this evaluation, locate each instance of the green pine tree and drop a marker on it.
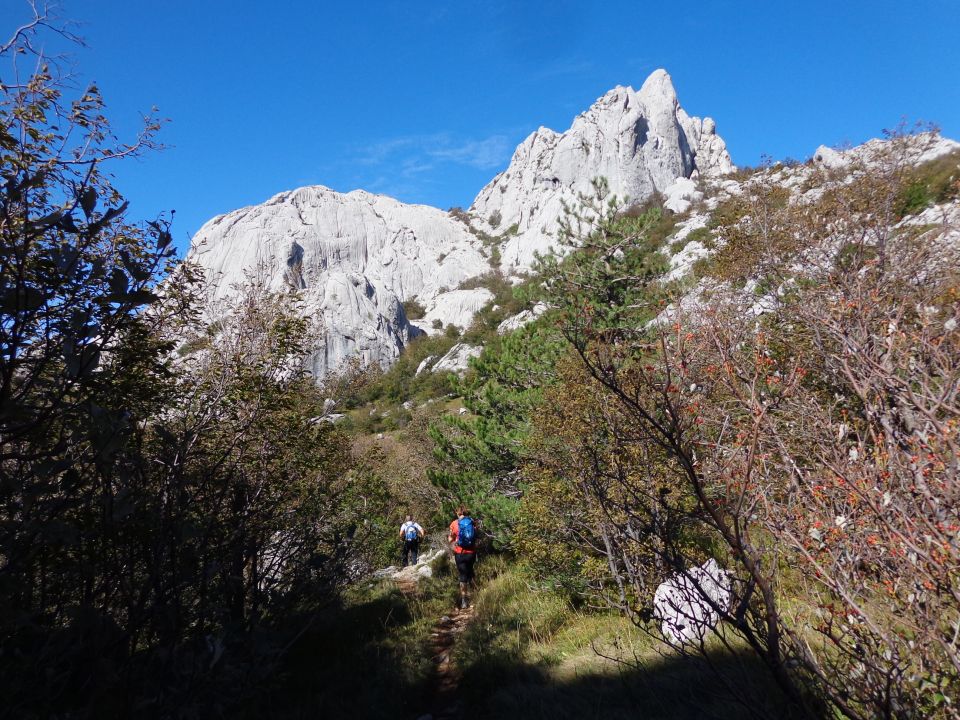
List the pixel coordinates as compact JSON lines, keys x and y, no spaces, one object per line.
{"x":479,"y":454}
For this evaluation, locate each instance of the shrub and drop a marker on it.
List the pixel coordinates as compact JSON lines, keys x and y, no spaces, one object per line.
{"x":809,"y":448}
{"x":413,"y":309}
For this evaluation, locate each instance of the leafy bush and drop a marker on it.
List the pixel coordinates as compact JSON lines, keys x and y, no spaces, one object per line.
{"x":808,"y":448}
{"x":157,"y":510}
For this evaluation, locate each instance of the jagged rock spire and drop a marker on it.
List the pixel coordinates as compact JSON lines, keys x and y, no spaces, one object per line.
{"x":641,"y":142}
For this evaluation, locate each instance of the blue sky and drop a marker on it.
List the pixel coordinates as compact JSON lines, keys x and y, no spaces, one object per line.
{"x":425,"y":100}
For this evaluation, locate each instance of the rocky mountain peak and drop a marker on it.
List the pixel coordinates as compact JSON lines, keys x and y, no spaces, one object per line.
{"x":640,"y":141}
{"x":356,"y":257}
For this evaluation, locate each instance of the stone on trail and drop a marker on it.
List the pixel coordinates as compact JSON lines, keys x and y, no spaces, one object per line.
{"x":687,"y":604}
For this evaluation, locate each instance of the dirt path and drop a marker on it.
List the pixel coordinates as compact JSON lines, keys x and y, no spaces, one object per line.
{"x":442,"y":640}
{"x":445,"y":703}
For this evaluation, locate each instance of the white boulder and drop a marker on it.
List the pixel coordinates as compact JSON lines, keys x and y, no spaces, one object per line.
{"x":681,"y":194}
{"x":457,"y":359}
{"x":688,"y":605}
{"x":517,"y":321}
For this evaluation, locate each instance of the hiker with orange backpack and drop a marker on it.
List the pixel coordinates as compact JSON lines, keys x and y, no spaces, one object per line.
{"x":462,"y":538}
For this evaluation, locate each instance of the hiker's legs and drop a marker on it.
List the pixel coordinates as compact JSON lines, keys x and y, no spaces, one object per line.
{"x":406,"y":553}
{"x":414,"y":552}
{"x":465,"y":563}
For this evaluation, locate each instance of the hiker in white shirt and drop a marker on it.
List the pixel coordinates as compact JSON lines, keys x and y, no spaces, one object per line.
{"x":410,"y":533}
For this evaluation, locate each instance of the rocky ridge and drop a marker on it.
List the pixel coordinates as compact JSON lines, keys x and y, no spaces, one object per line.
{"x":642,"y":142}
{"x":355,"y":258}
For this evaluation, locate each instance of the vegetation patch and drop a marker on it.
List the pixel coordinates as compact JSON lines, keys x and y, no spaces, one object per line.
{"x":936,"y":181}
{"x":530,"y":653}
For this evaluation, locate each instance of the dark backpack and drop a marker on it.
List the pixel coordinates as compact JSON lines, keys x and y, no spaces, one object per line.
{"x":466,"y":533}
{"x":411,"y":533}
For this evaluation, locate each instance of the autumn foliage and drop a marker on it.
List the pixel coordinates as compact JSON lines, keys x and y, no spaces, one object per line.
{"x":796,"y":416}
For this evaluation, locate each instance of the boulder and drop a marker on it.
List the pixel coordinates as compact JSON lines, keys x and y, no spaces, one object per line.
{"x":522,"y":318}
{"x":681,"y":194}
{"x":458,"y":358}
{"x":687,"y":604}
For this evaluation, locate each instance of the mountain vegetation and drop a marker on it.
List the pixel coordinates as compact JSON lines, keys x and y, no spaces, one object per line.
{"x":166,"y":493}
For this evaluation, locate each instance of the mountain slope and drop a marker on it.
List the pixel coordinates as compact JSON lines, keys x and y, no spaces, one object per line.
{"x":356,"y":257}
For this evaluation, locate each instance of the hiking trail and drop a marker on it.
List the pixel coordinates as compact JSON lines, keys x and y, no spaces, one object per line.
{"x":444,"y":702}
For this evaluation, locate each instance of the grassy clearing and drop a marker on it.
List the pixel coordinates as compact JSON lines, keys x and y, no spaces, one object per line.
{"x":530,"y":654}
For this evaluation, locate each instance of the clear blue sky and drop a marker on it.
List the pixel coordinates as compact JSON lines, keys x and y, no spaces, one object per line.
{"x":425,"y":100}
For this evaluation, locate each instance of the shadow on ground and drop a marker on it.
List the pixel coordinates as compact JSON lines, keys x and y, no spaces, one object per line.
{"x":372,"y":660}
{"x":679,"y":688}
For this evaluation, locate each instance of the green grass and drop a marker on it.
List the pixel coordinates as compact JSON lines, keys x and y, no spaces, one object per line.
{"x":936,"y":181}
{"x":530,"y":654}
{"x":527,"y":654}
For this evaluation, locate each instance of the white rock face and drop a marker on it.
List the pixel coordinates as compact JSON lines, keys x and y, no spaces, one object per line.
{"x":686,"y":604}
{"x":682,"y":262}
{"x":681,"y":194}
{"x":641,"y":142}
{"x":355,"y":257}
{"x":456,"y":307}
{"x":457,"y":359}
{"x":521,"y":318}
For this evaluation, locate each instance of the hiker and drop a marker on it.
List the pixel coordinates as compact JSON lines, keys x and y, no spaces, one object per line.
{"x":462,"y":537}
{"x":410,"y":533}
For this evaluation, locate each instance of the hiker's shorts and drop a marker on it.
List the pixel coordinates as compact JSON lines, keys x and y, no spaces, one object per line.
{"x":465,"y":563}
